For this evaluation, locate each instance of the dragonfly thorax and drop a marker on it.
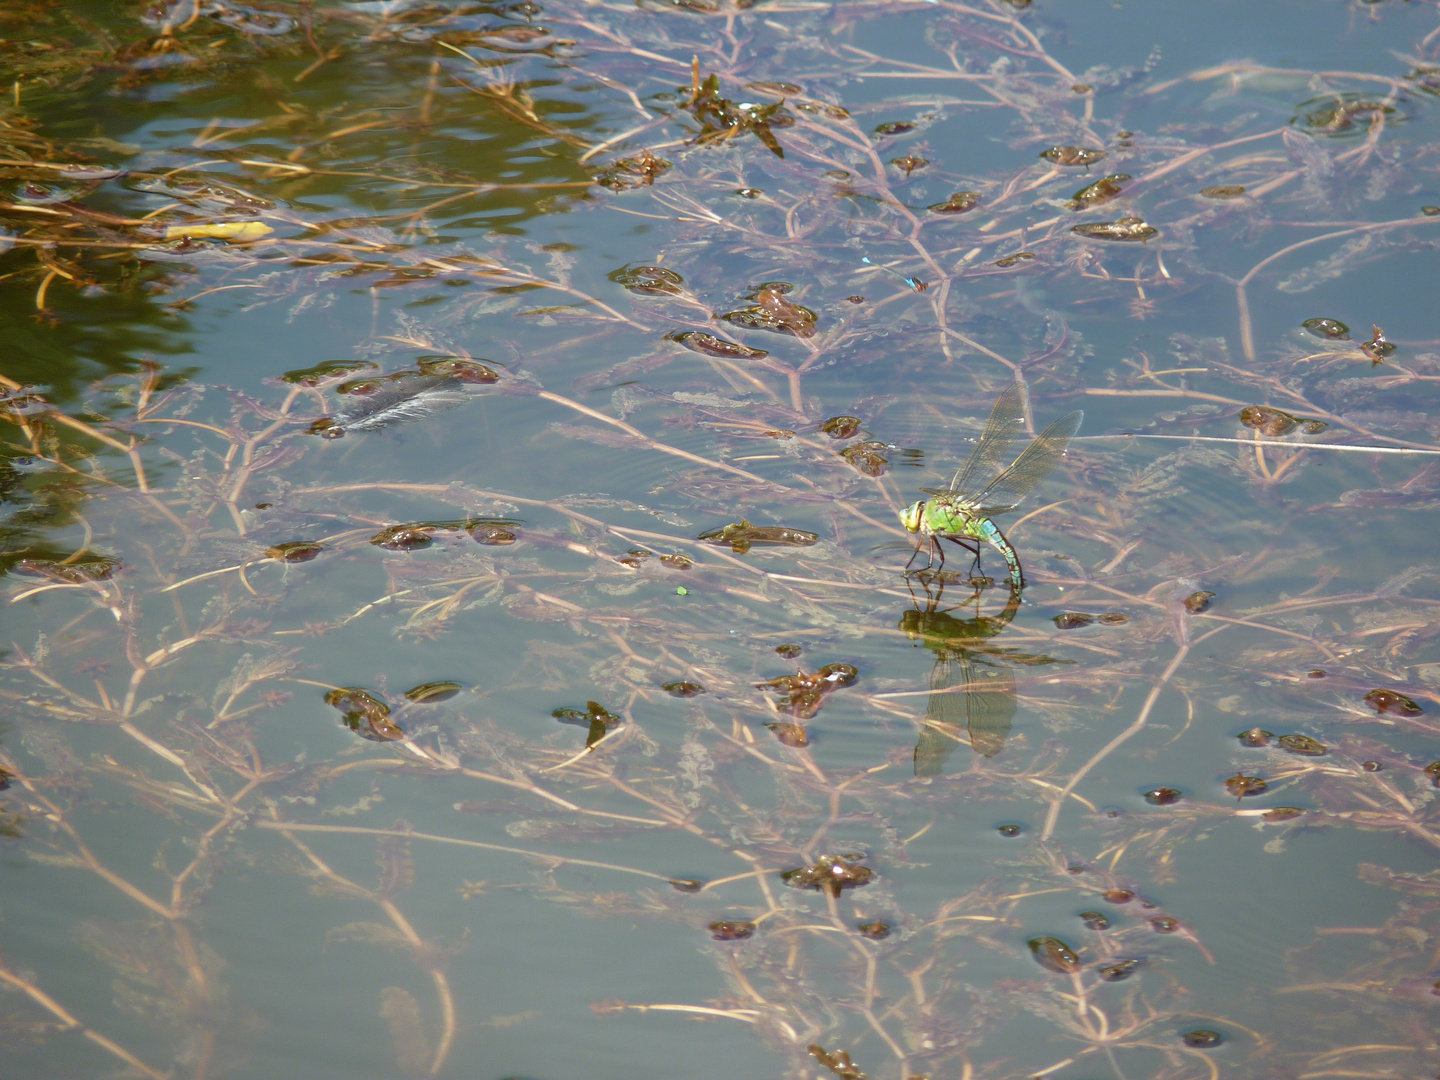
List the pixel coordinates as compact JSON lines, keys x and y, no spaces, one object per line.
{"x":944,"y":517}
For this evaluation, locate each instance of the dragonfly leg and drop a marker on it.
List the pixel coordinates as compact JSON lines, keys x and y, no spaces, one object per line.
{"x":916,"y":554}
{"x":971,"y":546}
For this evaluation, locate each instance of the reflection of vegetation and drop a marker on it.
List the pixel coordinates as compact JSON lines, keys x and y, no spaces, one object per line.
{"x":185,"y":564}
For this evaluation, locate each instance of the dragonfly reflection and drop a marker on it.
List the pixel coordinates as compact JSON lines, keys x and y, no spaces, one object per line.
{"x":972,"y":685}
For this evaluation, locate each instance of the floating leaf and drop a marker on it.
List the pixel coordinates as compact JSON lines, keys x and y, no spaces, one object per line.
{"x":432,"y":693}
{"x":962,"y":202}
{"x":1338,"y":114}
{"x":328,"y":371}
{"x":875,"y":931}
{"x":1198,"y":601}
{"x":1162,"y":796}
{"x":683,"y":689}
{"x":237,"y":232}
{"x":648,"y":280}
{"x":458,"y":368}
{"x":721,"y":119}
{"x":1125,"y":229}
{"x":865,"y":458}
{"x":829,"y":873}
{"x":1223,"y":191}
{"x":731,"y":930}
{"x":1282,"y":813}
{"x":792,"y":735}
{"x":74,"y":571}
{"x":909,"y":163}
{"x":741,"y":535}
{"x":1054,"y":955}
{"x":633,"y":172}
{"x":1119,"y":971}
{"x":1379,"y":346}
{"x":1241,"y":785}
{"x":294,"y":551}
{"x":838,"y":1063}
{"x":405,"y":537}
{"x":710,"y":345}
{"x":841,"y":427}
{"x":596,"y":719}
{"x":1095,"y":920}
{"x":1072,"y":155}
{"x":1011,"y":260}
{"x":491,"y":534}
{"x":1256,"y":737}
{"x":1268,"y":421}
{"x":1101,"y":191}
{"x":364,"y":714}
{"x":1331,"y":329}
{"x":1201,"y":1038}
{"x":1302,"y":744}
{"x":774,"y":313}
{"x":1392,"y":701}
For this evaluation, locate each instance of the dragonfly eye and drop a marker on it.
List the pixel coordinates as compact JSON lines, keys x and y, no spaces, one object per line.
{"x":911,"y":515}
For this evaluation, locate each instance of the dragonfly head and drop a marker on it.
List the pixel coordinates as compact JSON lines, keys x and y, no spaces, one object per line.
{"x":911,"y":516}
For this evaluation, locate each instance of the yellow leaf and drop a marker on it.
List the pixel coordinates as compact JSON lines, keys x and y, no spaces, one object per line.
{"x":237,"y":231}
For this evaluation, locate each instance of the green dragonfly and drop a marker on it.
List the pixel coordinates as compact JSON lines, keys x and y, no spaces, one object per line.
{"x":963,"y":511}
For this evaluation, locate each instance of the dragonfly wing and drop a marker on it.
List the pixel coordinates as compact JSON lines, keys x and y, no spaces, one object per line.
{"x":969,"y":701}
{"x":1007,"y":419}
{"x":944,"y":723}
{"x":1034,"y":464}
{"x":989,"y":706}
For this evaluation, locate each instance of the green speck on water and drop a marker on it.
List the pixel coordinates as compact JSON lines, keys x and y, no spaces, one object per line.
{"x":682,"y":591}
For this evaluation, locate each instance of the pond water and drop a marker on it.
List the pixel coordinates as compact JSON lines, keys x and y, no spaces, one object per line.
{"x":455,"y":461}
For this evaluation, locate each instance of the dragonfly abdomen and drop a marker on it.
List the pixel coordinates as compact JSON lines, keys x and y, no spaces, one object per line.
{"x":948,"y":520}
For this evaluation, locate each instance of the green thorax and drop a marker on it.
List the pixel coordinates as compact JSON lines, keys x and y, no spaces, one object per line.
{"x":947,"y":517}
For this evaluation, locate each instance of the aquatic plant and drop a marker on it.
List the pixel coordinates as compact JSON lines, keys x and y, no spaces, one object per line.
{"x":589,"y":648}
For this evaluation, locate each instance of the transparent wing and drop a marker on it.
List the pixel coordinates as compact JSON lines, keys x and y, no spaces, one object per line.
{"x":1034,"y":464}
{"x":989,"y":706}
{"x":944,"y":722}
{"x":966,"y":699}
{"x":1007,"y":419}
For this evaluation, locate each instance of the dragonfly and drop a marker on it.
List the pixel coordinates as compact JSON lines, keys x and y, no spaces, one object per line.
{"x":918,"y":284}
{"x":962,"y":512}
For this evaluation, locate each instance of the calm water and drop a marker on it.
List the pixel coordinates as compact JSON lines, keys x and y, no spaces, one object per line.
{"x":248,"y":835}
